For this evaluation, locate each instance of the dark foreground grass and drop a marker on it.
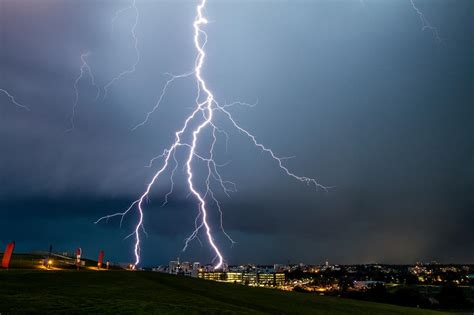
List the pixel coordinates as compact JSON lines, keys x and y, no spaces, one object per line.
{"x":23,"y":291}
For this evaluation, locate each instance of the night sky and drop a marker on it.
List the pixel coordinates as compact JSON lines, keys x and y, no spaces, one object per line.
{"x":368,"y":102}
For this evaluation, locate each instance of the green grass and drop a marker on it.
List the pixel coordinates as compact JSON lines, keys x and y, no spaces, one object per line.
{"x":27,"y":291}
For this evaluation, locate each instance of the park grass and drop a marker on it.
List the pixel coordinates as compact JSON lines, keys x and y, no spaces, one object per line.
{"x":41,"y":291}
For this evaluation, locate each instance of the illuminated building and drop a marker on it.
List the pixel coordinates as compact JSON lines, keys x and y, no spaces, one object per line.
{"x":266,"y":278}
{"x":215,"y":276}
{"x":250,"y":279}
{"x":173,"y":267}
{"x":279,"y":278}
{"x":246,"y":278}
{"x":185,"y":268}
{"x":234,"y":277}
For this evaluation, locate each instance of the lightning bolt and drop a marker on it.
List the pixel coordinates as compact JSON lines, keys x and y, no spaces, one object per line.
{"x":133,"y":33}
{"x":13,"y":100}
{"x":171,"y":79}
{"x":203,"y":118}
{"x":425,"y":24}
{"x":85,"y":68}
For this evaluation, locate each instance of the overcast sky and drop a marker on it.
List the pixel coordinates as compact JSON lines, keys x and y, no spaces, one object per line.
{"x":365,"y":100}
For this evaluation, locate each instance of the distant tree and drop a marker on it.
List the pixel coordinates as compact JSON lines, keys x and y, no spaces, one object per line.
{"x":410,"y":279}
{"x":452,"y":297}
{"x":471,"y":281}
{"x":377,"y":292}
{"x":345,"y":283}
{"x":408,"y":297}
{"x":295,"y":274}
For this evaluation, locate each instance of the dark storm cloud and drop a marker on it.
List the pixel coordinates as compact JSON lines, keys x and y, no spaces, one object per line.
{"x":367,"y":102}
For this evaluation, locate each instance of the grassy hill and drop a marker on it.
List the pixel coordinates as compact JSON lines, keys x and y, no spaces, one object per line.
{"x":26,"y":291}
{"x":37,"y":261}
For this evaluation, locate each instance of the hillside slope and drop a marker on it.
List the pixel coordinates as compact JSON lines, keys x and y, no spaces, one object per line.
{"x":153,"y":293}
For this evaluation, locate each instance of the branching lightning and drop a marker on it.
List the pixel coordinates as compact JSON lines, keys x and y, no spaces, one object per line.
{"x":171,"y":79}
{"x":203,"y":114}
{"x":84,"y":69}
{"x":425,"y":24}
{"x":201,"y":119}
{"x":13,"y":100}
{"x":133,"y":33}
